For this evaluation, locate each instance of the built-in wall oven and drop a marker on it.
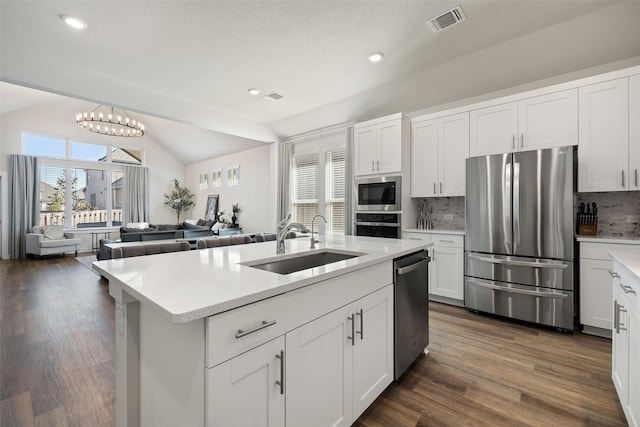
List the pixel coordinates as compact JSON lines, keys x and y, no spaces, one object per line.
{"x":381,"y":193}
{"x":381,"y":224}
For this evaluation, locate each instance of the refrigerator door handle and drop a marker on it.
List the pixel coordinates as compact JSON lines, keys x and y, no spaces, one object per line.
{"x":543,"y":294}
{"x":516,"y":205}
{"x":506,"y":206}
{"x":550,"y":265}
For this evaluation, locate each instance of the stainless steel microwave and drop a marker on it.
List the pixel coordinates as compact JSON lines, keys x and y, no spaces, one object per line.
{"x":379,"y":194}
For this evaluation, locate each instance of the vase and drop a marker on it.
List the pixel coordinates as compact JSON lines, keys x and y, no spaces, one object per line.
{"x":234,"y":218}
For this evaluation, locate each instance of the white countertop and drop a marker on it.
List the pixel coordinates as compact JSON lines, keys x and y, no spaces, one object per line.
{"x":456,"y":232}
{"x":623,"y":240}
{"x":190,"y":285}
{"x":629,"y":260}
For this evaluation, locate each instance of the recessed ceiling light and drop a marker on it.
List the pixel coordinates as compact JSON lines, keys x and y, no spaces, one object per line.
{"x":253,"y":91}
{"x":375,"y":56}
{"x":74,"y":22}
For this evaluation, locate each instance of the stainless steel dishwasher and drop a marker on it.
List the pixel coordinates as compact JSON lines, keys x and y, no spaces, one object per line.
{"x":411,"y":314}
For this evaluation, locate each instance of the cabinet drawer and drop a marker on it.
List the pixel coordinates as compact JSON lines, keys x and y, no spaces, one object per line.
{"x":448,"y":240}
{"x":233,"y":332}
{"x":589,"y":250}
{"x":416,"y":236}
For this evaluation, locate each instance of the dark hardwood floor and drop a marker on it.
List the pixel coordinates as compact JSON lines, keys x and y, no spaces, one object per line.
{"x":57,"y":363}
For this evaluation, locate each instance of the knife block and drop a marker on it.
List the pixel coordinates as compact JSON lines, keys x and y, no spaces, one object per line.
{"x":588,"y":230}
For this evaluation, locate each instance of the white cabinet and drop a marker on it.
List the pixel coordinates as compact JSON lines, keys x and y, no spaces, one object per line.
{"x":248,"y":390}
{"x":446,"y":269}
{"x":596,"y":305}
{"x":625,"y":365}
{"x":446,"y":278}
{"x":609,"y":153}
{"x":338,"y":364}
{"x":439,"y":148}
{"x":378,"y":146}
{"x":543,"y":121}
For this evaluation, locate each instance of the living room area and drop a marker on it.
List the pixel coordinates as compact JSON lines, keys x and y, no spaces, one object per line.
{"x":33,"y":121}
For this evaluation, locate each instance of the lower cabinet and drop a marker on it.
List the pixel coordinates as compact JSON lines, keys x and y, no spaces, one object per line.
{"x":446,"y":269}
{"x":323,"y":373}
{"x":338,"y":364}
{"x":596,"y":315}
{"x":625,"y":363}
{"x":258,"y":374}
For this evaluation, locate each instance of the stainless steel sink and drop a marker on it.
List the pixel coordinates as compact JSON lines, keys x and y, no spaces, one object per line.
{"x":299,"y":262}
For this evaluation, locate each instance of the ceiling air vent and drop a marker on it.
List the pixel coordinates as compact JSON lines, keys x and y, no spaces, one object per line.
{"x":274,"y":95}
{"x":447,"y":19}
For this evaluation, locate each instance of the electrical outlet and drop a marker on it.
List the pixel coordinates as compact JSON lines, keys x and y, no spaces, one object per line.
{"x":632,"y":218}
{"x":448,"y":216}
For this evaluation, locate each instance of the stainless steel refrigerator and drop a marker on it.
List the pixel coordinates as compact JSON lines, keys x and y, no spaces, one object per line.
{"x":519,"y":236}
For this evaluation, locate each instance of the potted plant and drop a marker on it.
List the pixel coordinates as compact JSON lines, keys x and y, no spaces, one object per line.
{"x":236,"y":211}
{"x":180,"y":199}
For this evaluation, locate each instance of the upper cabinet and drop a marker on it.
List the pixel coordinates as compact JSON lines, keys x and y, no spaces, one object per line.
{"x":609,"y":153}
{"x":439,"y":148}
{"x":378,"y":146}
{"x":544,"y":121}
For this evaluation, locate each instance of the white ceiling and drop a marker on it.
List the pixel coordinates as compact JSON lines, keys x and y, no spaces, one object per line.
{"x":193,"y":61}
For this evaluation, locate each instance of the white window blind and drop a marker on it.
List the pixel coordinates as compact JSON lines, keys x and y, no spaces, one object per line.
{"x":335,"y":163}
{"x":305,"y":188}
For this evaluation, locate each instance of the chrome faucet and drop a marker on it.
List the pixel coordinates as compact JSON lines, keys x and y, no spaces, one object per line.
{"x":283,"y":228}
{"x":313,"y":240}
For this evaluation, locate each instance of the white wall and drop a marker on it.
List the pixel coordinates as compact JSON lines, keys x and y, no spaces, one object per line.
{"x":58,"y":120}
{"x":256,"y":194}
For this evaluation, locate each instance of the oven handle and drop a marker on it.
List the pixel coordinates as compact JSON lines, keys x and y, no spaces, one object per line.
{"x":380,"y":224}
{"x":518,"y":290}
{"x":554,"y":266}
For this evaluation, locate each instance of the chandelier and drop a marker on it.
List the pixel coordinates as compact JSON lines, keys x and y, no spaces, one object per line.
{"x":109,"y":121}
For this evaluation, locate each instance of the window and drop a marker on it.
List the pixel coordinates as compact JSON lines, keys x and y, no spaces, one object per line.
{"x":216,"y":179}
{"x":318,"y":187}
{"x":82,"y":186}
{"x":233,"y":176}
{"x":305,"y":188}
{"x":335,"y":164}
{"x":204,"y":181}
{"x":85,"y":151}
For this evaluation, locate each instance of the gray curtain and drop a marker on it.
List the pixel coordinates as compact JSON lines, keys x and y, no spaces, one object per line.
{"x":24,"y":201}
{"x":284,"y":166}
{"x":348,"y":190}
{"x":136,"y":194}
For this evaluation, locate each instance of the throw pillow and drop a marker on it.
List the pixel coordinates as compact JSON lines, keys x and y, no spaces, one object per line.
{"x":53,"y":232}
{"x":138,"y":225}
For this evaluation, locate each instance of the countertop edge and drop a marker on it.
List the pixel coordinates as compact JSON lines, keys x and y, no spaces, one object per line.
{"x":608,"y":239}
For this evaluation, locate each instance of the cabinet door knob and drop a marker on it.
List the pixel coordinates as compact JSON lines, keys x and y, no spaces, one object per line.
{"x":373,"y":165}
{"x":622,"y":179}
{"x":513,"y":142}
{"x":434,"y":187}
{"x":378,"y":164}
{"x":635,"y":172}
{"x":522,"y":140}
{"x":440,"y":188}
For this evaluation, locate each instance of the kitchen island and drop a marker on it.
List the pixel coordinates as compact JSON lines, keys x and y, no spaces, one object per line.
{"x":204,"y":338}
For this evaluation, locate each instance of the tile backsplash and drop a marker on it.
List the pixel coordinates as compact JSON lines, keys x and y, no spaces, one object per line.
{"x":443,"y":206}
{"x":614,"y":208}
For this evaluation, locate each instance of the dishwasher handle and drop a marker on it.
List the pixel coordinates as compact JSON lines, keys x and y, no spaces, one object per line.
{"x":412,"y":267}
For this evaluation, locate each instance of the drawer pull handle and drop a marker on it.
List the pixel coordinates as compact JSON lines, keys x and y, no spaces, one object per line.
{"x":613,"y":274}
{"x":445,"y":241}
{"x":627,"y":289}
{"x":264,"y":324}
{"x":352,"y":319}
{"x":361,"y":331}
{"x":281,"y":381}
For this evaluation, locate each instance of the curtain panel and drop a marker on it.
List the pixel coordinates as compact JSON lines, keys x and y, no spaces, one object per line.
{"x":24,"y":201}
{"x":284,"y":167}
{"x":136,"y":195}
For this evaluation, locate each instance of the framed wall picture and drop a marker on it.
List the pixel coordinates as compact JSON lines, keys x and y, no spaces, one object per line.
{"x":211,"y":211}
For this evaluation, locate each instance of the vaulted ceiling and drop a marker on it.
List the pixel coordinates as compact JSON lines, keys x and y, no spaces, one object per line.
{"x":190,"y":63}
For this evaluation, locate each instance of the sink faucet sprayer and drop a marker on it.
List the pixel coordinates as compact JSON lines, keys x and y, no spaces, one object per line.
{"x":313,"y":240}
{"x":282,"y":229}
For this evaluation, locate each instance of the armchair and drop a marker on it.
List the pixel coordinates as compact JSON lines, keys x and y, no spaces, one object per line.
{"x":50,"y":239}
